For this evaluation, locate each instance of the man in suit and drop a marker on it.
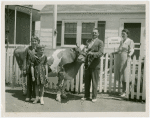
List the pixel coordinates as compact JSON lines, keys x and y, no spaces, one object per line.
{"x":92,"y":65}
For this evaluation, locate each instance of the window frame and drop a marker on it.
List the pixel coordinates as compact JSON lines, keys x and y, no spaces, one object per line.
{"x":63,"y":32}
{"x":88,"y":21}
{"x":79,"y":30}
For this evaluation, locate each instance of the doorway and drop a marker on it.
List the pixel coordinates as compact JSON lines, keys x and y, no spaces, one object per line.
{"x":136,"y":28}
{"x":135,"y":34}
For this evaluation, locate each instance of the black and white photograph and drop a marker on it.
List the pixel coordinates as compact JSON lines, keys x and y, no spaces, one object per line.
{"x":61,"y":57}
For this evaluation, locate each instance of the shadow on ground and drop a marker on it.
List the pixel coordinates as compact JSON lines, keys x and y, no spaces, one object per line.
{"x":18,"y":94}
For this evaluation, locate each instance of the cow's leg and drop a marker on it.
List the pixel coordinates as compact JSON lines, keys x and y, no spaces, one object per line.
{"x":59,"y":84}
{"x":63,"y":94}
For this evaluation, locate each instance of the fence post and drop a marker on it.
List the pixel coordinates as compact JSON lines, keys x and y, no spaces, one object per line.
{"x":101,"y":75}
{"x":139,"y":78}
{"x":6,"y":65}
{"x":115,"y":67}
{"x":106,"y":66}
{"x":128,"y":77}
{"x":110,"y":74}
{"x":133,"y":77}
{"x":81,"y":77}
{"x":144,"y":81}
{"x":77,"y":83}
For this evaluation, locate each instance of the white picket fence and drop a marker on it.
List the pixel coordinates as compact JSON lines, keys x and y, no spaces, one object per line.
{"x":108,"y":78}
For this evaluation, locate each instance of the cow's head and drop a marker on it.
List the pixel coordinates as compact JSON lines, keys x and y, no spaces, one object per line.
{"x":81,"y":55}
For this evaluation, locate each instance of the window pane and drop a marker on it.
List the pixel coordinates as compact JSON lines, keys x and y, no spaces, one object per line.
{"x":85,"y":37}
{"x":70,"y":27}
{"x":70,"y":39}
{"x":87,"y":27}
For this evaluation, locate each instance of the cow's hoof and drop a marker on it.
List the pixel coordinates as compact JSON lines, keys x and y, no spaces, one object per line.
{"x":64,"y":96}
{"x":58,"y":99}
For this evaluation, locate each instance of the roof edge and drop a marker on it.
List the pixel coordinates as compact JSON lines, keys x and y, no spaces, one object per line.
{"x":93,"y":12}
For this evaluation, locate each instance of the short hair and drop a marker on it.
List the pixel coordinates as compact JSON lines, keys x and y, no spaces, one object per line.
{"x":126,"y":31}
{"x":36,"y":38}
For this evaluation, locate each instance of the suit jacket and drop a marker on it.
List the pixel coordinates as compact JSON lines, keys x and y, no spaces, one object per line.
{"x":97,"y":50}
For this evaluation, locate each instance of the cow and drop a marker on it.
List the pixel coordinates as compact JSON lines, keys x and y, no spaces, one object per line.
{"x":68,"y":61}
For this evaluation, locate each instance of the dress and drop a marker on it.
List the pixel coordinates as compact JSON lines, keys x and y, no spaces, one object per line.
{"x":124,"y":49}
{"x":39,"y":69}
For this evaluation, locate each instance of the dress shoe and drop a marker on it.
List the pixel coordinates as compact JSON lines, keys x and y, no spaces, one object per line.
{"x":36,"y":101}
{"x":85,"y":98}
{"x":27,"y":99}
{"x":94,"y":100}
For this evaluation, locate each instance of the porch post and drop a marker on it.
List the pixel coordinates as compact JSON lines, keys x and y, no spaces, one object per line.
{"x":30,"y":25}
{"x":15,"y":26}
{"x":54,"y":26}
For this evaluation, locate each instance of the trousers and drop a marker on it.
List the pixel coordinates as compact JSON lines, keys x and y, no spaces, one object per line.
{"x":91,"y":74}
{"x":30,"y":86}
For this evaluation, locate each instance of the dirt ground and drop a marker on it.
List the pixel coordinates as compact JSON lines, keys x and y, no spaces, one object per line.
{"x":15,"y":103}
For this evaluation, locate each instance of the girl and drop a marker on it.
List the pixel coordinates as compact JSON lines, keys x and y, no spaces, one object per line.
{"x":38,"y":70}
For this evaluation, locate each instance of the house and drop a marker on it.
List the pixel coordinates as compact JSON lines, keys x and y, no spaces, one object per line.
{"x":75,"y":23}
{"x":20,"y":24}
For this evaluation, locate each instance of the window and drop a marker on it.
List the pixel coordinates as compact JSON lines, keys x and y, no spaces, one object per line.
{"x":86,"y":32}
{"x":79,"y":31}
{"x":70,"y":33}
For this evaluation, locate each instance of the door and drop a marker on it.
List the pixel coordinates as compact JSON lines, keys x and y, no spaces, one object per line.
{"x":135,"y":34}
{"x":136,"y":28}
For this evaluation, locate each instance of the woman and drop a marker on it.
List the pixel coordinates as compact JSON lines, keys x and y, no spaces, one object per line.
{"x":126,"y":49}
{"x":30,"y":52}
